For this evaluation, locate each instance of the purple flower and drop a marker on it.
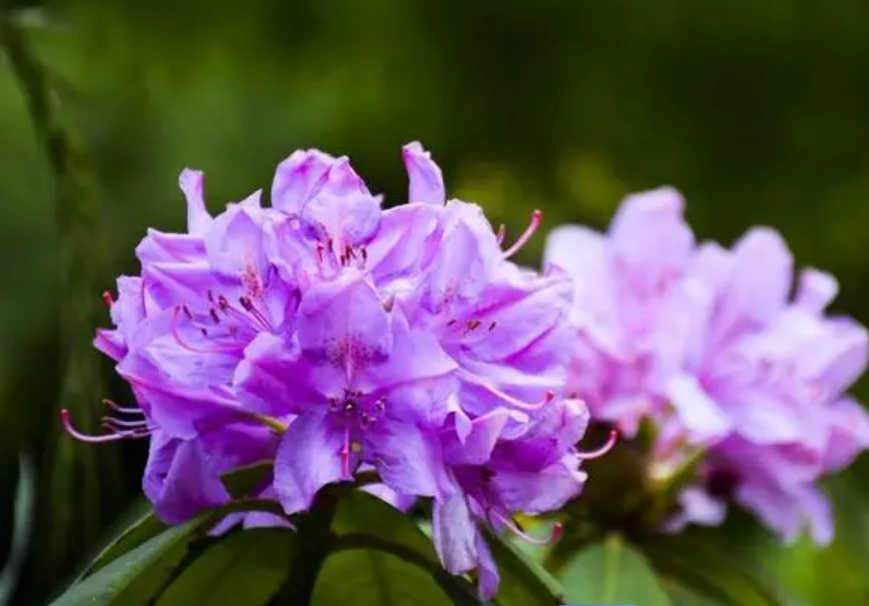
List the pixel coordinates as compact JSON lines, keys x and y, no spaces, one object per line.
{"x":707,"y":343}
{"x":332,"y":336}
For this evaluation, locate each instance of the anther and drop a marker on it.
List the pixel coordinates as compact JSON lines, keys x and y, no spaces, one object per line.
{"x":107,"y":299}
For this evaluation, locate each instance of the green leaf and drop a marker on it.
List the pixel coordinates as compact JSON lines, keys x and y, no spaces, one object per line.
{"x":364,"y":522}
{"x":138,"y":576}
{"x":523,"y":580}
{"x":241,"y":482}
{"x":243,"y":569}
{"x":145,"y":527}
{"x":369,"y":577}
{"x":134,"y":577}
{"x":611,"y":573}
{"x":360,"y":512}
{"x":682,"y":596}
{"x":709,"y":573}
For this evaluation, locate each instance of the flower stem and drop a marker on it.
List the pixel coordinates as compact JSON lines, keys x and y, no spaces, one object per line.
{"x":314,"y":543}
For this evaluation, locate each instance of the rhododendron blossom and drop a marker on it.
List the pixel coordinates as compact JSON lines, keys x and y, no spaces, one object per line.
{"x":708,"y":343}
{"x":331,"y":335}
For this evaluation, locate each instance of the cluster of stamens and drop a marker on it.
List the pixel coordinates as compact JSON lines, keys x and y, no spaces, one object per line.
{"x":328,"y":257}
{"x":133,"y":426}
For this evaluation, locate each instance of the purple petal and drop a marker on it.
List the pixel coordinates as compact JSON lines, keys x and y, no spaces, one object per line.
{"x":816,"y":290}
{"x":408,"y":459}
{"x":299,"y":178}
{"x":192,"y":184}
{"x":476,"y":447}
{"x":179,"y":480}
{"x":454,"y":534}
{"x":344,"y":321}
{"x":426,"y":181}
{"x":536,"y":492}
{"x":274,"y":378}
{"x":760,"y":282}
{"x":849,"y":433}
{"x":487,"y":571}
{"x":308,"y":458}
{"x":699,"y":413}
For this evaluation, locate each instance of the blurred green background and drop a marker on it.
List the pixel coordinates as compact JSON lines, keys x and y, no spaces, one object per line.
{"x":757,"y":110}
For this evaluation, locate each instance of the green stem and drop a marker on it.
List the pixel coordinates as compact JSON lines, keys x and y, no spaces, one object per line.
{"x":314,"y":537}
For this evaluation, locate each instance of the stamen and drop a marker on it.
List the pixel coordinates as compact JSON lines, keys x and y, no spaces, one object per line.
{"x":111,"y":437}
{"x":107,"y":299}
{"x":607,"y":446}
{"x":472,"y":378}
{"x":114,"y":422}
{"x":526,"y":235}
{"x":122,"y":409}
{"x":557,"y":529}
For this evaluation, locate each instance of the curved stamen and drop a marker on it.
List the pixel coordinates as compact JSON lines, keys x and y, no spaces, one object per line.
{"x":113,"y":422}
{"x":119,"y":435}
{"x":122,"y":409}
{"x":472,"y":378}
{"x":557,"y":529}
{"x":607,"y":446}
{"x":526,"y":235}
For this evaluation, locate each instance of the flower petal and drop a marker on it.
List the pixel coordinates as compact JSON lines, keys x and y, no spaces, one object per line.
{"x":426,"y":180}
{"x":308,"y":458}
{"x":192,"y":183}
{"x":454,"y":534}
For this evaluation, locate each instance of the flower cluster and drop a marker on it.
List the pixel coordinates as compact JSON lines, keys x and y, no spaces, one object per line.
{"x":709,"y":344}
{"x":332,"y":336}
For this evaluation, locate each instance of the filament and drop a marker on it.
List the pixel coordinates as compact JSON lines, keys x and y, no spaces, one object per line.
{"x":472,"y":378}
{"x":607,"y":446}
{"x":526,"y":235}
{"x":557,"y":529}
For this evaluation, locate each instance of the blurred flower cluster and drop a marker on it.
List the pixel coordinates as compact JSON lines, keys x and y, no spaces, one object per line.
{"x":339,"y":340}
{"x":336,"y":338}
{"x":737,"y":376}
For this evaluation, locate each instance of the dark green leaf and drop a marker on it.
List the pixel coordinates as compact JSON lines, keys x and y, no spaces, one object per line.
{"x":611,"y":573}
{"x":241,"y":482}
{"x":145,"y":527}
{"x":134,"y":577}
{"x":366,"y":522}
{"x":523,"y":580}
{"x":244,"y":569}
{"x":137,"y":576}
{"x":360,"y":512}
{"x":682,"y":596}
{"x":709,"y":573}
{"x":369,"y":577}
